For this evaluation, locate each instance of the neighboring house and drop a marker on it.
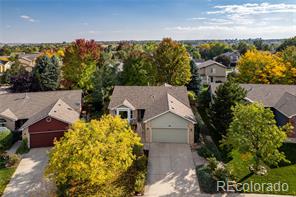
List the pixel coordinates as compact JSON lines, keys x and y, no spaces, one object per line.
{"x":156,"y":113}
{"x":40,"y":116}
{"x":4,"y":64}
{"x":211,"y":72}
{"x":28,"y":61}
{"x":233,"y":57}
{"x":281,"y":99}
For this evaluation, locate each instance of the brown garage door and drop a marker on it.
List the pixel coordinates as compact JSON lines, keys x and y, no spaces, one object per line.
{"x":44,"y":139}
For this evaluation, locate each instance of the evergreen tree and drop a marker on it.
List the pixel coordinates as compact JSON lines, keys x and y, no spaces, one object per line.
{"x":46,"y":73}
{"x":195,"y":83}
{"x":226,"y":96}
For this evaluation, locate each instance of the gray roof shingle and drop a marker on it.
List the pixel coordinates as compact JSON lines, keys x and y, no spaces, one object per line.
{"x":209,"y":63}
{"x":281,"y":97}
{"x":154,"y":99}
{"x":25,"y":105}
{"x":287,"y":104}
{"x":58,"y":110}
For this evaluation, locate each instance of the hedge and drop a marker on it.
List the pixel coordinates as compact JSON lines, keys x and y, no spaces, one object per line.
{"x":6,"y":139}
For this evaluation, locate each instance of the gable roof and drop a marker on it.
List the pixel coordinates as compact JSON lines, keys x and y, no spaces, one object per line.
{"x":229,"y":53}
{"x":58,"y":110}
{"x":8,"y":114}
{"x":29,"y":57}
{"x":24,"y":105}
{"x":155,"y":100}
{"x":280,"y":97}
{"x":287,"y":105}
{"x":209,"y":63}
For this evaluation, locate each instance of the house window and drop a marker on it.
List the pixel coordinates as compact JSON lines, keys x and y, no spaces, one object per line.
{"x":2,"y":123}
{"x":213,"y":70}
{"x":131,"y":115}
{"x":124,"y":113}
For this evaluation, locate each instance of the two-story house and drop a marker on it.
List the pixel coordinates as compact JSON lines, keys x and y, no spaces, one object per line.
{"x":212,"y":72}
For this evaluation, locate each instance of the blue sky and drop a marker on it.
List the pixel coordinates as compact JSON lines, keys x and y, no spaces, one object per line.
{"x":66,"y":20}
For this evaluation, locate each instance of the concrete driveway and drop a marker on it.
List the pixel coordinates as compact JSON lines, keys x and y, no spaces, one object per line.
{"x":171,"y":171}
{"x":28,"y":179}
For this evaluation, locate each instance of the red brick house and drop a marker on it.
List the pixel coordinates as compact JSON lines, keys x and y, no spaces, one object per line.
{"x":40,"y":116}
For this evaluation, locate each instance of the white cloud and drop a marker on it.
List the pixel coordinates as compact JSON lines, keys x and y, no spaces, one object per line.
{"x":28,"y":18}
{"x":222,"y":32}
{"x":254,"y":8}
{"x":196,"y":18}
{"x":250,"y":14}
{"x":92,"y":32}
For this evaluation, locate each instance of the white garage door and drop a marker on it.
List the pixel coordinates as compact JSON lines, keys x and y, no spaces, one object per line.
{"x":170,"y":135}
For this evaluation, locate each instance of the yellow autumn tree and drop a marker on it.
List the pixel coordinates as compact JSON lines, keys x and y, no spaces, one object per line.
{"x":52,"y":52}
{"x":92,"y":156}
{"x":262,"y":67}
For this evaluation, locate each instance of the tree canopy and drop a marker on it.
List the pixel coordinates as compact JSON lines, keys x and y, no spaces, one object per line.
{"x":47,"y":73}
{"x":80,"y":59}
{"x":93,"y":156}
{"x":226,"y":96}
{"x":213,"y":49}
{"x":286,"y":43}
{"x":195,"y":82}
{"x":138,"y":69}
{"x":254,"y":131}
{"x":172,"y":63}
{"x":263,"y":67}
{"x":243,"y":47}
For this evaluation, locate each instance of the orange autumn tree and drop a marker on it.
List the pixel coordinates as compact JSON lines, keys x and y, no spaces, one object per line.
{"x":263,"y":67}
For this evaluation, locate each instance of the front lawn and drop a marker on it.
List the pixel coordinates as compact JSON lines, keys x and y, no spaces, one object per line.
{"x":284,"y":175}
{"x":5,"y":175}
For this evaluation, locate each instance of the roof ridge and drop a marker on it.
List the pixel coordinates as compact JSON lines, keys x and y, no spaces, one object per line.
{"x":55,"y":103}
{"x":40,"y":92}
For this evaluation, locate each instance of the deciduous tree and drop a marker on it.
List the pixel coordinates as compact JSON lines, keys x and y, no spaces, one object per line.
{"x":213,"y":49}
{"x":254,"y":131}
{"x":286,"y":43}
{"x":138,"y":69}
{"x":262,"y":67}
{"x":80,"y":59}
{"x":243,"y":47}
{"x":22,"y":82}
{"x":223,"y":59}
{"x":172,"y":63}
{"x":92,"y":156}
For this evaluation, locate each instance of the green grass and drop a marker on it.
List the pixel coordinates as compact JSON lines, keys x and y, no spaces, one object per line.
{"x":284,"y":175}
{"x":5,"y":175}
